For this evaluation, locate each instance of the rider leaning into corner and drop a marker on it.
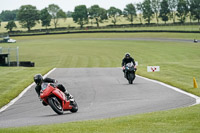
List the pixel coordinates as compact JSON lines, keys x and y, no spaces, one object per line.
{"x":127,"y":59}
{"x":39,"y":80}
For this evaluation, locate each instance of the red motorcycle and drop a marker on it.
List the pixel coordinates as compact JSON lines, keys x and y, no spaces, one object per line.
{"x":54,"y":97}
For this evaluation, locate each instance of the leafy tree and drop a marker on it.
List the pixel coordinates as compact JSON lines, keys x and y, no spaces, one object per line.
{"x":172,"y":7}
{"x":45,"y":17}
{"x":147,"y":10}
{"x":164,"y":11}
{"x":56,"y":13}
{"x":69,"y":14}
{"x":130,"y":12}
{"x":28,"y":16}
{"x":195,"y":9}
{"x":11,"y":24}
{"x":140,"y":10}
{"x":189,"y":9}
{"x":156,"y":8}
{"x":62,"y":14}
{"x":80,"y":15}
{"x":8,"y":15}
{"x":97,"y":13}
{"x":113,"y":13}
{"x":182,"y":10}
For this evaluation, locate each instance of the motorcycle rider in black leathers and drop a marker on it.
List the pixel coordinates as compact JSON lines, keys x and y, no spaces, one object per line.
{"x":127,"y":59}
{"x":39,"y":80}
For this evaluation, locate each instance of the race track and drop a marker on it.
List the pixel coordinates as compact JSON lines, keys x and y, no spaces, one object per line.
{"x":144,"y":39}
{"x":100,"y":93}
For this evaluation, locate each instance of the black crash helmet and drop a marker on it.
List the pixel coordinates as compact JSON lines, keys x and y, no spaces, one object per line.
{"x":127,"y":55}
{"x":38,"y":79}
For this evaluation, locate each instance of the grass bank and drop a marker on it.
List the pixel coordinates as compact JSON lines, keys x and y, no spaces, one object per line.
{"x":185,"y":120}
{"x":13,"y":81}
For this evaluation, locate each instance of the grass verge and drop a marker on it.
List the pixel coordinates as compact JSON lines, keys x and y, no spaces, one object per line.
{"x":185,"y":120}
{"x":13,"y":80}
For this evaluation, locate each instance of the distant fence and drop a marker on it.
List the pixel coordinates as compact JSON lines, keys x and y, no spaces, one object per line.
{"x":102,"y":31}
{"x":108,"y":26}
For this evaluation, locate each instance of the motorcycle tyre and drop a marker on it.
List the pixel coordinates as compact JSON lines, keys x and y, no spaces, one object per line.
{"x":131,"y":77}
{"x":74,"y":107}
{"x":52,"y":101}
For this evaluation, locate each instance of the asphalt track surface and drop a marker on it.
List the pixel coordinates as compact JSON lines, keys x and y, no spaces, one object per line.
{"x":143,"y":39}
{"x":100,"y":93}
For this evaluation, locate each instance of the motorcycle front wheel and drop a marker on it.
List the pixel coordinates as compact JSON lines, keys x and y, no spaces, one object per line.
{"x":55,"y":105}
{"x":75,"y":107}
{"x":131,"y":77}
{"x":130,"y":81}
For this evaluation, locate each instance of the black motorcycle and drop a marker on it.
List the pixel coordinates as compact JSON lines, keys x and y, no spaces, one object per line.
{"x":130,"y":72}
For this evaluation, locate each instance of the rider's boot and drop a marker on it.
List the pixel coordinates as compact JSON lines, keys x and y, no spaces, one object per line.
{"x":45,"y":104}
{"x":125,"y":75}
{"x":68,"y":96}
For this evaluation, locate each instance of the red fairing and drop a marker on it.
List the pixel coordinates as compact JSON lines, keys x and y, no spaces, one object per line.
{"x":66,"y":105}
{"x":59,"y":94}
{"x":49,"y":91}
{"x":46,"y":92}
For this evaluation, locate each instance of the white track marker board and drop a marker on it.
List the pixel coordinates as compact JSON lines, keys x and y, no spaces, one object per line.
{"x":136,"y":63}
{"x":153,"y":68}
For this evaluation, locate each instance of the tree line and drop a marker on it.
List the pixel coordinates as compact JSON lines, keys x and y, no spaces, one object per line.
{"x":28,"y":15}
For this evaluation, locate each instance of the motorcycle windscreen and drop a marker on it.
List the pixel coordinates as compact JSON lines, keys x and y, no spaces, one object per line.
{"x":129,"y":65}
{"x":44,"y":86}
{"x":46,"y":90}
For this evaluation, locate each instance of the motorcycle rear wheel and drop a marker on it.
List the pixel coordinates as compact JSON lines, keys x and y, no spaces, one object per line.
{"x":75,"y":107}
{"x":55,"y":105}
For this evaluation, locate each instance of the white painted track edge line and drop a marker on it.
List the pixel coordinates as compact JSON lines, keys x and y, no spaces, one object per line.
{"x":22,"y":93}
{"x":174,"y":88}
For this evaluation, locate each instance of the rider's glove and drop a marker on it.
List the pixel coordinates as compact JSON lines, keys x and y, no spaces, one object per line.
{"x":55,"y":81}
{"x":135,"y":68}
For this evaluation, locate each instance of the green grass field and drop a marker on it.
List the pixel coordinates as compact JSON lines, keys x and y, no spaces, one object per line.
{"x":179,"y":63}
